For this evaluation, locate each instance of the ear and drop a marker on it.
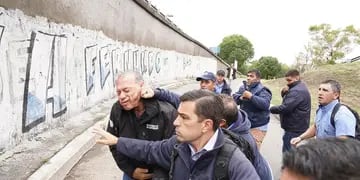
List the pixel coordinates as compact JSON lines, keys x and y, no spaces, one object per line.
{"x":222,"y":123}
{"x":207,"y":126}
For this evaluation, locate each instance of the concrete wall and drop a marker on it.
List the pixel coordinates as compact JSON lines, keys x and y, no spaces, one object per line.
{"x":51,"y":70}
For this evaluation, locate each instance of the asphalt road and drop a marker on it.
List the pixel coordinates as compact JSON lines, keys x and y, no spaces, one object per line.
{"x":98,"y":164}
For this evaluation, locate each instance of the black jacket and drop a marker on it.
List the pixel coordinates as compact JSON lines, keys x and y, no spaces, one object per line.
{"x":156,"y":123}
{"x":295,"y":108}
{"x":226,"y":88}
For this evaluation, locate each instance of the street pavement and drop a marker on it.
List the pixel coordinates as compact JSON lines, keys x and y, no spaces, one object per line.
{"x":98,"y":163}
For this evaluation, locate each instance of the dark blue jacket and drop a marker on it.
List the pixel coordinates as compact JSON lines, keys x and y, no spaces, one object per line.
{"x":295,"y":109}
{"x":241,"y":127}
{"x":159,"y":152}
{"x":226,"y":88}
{"x":257,"y":107}
{"x":167,"y":96}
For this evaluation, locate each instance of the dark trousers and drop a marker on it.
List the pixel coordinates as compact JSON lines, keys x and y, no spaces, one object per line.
{"x":286,"y":139}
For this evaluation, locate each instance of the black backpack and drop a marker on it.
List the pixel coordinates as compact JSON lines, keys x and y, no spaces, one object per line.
{"x":356,"y":115}
{"x":232,"y":141}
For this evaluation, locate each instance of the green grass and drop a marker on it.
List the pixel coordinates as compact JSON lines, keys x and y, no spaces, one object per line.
{"x":348,"y":75}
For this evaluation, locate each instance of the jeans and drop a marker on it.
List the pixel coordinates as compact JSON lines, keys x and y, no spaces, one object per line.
{"x":287,"y":138}
{"x":126,"y":177}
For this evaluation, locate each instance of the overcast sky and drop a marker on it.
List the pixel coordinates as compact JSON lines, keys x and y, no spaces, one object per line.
{"x":276,"y":28}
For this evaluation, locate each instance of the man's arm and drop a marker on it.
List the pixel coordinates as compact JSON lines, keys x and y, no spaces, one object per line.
{"x":238,"y":94}
{"x":291,"y":101}
{"x":168,"y":96}
{"x":151,"y":152}
{"x":262,"y":101}
{"x":309,"y":133}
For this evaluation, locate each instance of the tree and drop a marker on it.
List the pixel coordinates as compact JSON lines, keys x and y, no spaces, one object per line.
{"x":327,"y":45}
{"x":236,"y":47}
{"x":269,"y":67}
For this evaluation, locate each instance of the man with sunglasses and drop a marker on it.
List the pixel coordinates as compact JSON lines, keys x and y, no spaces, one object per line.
{"x":295,"y":108}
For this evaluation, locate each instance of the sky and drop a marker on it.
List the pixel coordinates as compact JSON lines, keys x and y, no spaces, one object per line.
{"x":277,"y":28}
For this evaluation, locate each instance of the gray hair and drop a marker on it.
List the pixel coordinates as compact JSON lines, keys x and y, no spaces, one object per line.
{"x":335,"y":86}
{"x":137,"y":76}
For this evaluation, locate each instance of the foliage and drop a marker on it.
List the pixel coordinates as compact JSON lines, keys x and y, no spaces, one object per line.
{"x":327,"y":45}
{"x":236,"y":47}
{"x":244,"y":68}
{"x":269,"y":67}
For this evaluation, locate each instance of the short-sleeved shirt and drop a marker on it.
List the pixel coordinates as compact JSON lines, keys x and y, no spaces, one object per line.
{"x":345,"y":121}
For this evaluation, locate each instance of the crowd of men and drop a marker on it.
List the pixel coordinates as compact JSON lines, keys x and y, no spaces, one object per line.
{"x":158,"y":134}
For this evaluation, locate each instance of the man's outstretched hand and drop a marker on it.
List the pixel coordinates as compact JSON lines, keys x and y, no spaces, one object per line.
{"x":105,"y":137}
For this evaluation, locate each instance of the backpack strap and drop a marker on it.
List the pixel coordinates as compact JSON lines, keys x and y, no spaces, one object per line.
{"x":356,"y":115}
{"x":223,"y":159}
{"x":241,"y":143}
{"x":174,"y":154}
{"x":333,"y":113}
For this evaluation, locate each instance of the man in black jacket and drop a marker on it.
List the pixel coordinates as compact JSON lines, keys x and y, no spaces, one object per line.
{"x":134,"y":117}
{"x":295,"y":108}
{"x":221,"y":86}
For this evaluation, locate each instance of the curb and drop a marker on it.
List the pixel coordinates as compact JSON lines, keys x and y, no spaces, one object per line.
{"x":63,"y":161}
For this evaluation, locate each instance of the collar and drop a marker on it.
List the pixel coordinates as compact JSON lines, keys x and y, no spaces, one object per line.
{"x":329,"y":106}
{"x":254,"y":84}
{"x":294,"y":84}
{"x":220,"y":85}
{"x":208,"y":146}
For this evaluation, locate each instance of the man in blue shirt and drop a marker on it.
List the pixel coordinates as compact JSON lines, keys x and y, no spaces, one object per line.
{"x":345,"y":122}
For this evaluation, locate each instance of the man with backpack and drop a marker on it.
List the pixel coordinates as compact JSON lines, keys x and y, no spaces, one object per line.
{"x":237,"y":122}
{"x":199,"y":148}
{"x":254,"y":99}
{"x":344,"y":120}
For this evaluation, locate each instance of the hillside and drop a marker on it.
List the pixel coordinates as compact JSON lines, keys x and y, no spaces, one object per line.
{"x":347,"y":74}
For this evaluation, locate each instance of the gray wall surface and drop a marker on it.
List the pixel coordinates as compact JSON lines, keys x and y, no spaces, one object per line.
{"x":60,"y":57}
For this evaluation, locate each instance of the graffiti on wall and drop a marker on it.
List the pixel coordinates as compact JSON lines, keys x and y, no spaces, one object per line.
{"x":186,"y":62}
{"x":143,"y":61}
{"x":104,"y":62}
{"x":115,"y":63}
{"x":115,"y":59}
{"x":90,"y":67}
{"x":1,"y":88}
{"x":45,"y":78}
{"x":1,"y":31}
{"x":1,"y":81}
{"x":149,"y":61}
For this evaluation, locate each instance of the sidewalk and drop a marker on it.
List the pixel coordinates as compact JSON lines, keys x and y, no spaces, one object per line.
{"x":52,"y":154}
